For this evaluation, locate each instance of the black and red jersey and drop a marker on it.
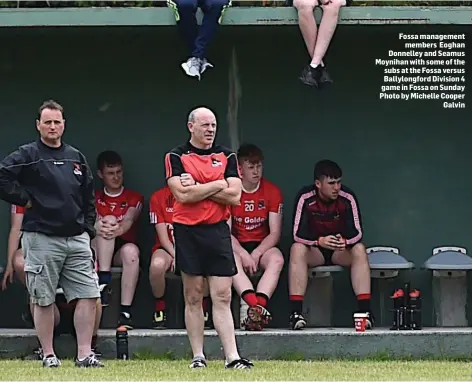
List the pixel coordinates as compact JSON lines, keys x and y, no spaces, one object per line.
{"x":215,"y":163}
{"x":315,"y":218}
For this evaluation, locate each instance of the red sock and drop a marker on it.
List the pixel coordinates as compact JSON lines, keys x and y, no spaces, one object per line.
{"x":160,"y":304}
{"x":205,"y":303}
{"x":249,"y":296}
{"x":363,"y":296}
{"x":262,"y":299}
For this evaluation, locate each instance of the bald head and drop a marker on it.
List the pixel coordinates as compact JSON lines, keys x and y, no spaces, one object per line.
{"x":202,"y":127}
{"x":200,"y":112}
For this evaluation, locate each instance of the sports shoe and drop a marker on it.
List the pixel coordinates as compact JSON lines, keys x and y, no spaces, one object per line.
{"x":125,"y":320}
{"x":205,"y":65}
{"x":297,"y":321}
{"x":97,"y":352}
{"x":241,"y":363}
{"x":159,"y":319}
{"x":208,"y":320}
{"x":51,"y":361}
{"x":105,"y":295}
{"x":198,"y":362}
{"x":192,"y":67}
{"x":90,"y":361}
{"x":36,"y":355}
{"x":257,"y":317}
{"x":312,"y":76}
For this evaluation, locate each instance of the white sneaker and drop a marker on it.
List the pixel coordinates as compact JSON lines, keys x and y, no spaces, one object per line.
{"x":51,"y":361}
{"x":205,"y":65}
{"x":192,"y":67}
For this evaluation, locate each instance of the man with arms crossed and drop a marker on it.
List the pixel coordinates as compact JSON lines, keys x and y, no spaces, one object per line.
{"x":204,"y":180}
{"x":63,"y":311}
{"x":118,"y":210}
{"x":161,"y":209}
{"x":327,"y":229}
{"x":54,"y":182}
{"x":256,"y":228}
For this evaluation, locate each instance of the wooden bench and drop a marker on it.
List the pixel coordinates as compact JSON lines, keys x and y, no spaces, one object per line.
{"x":449,"y":266}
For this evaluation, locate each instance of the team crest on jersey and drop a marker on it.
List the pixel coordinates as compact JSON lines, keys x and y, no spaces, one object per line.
{"x":215,"y":162}
{"x":77,"y":170}
{"x":123,"y":205}
{"x":261,"y":205}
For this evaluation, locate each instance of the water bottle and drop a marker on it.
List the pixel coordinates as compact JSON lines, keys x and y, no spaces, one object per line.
{"x":414,"y":310}
{"x":406,"y":303}
{"x":122,"y":343}
{"x":398,"y":313}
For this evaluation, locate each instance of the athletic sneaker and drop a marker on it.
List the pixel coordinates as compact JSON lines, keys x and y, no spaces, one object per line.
{"x":205,"y":65}
{"x":312,"y":76}
{"x":36,"y":355}
{"x":125,"y":320}
{"x":297,"y":321}
{"x":241,"y":363}
{"x":97,"y":352}
{"x":105,"y":295}
{"x":51,"y":361}
{"x":90,"y":361}
{"x":257,"y":317}
{"x":159,"y":319}
{"x":192,"y":67}
{"x":198,"y":362}
{"x":208,"y":320}
{"x":325,"y":77}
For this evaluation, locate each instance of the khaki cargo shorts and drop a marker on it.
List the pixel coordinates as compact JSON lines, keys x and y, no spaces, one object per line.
{"x":51,"y":261}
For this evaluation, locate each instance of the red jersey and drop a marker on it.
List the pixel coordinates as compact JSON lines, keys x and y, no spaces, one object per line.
{"x":205,"y":166}
{"x":161,"y":209}
{"x":118,"y":205}
{"x":250,"y":220}
{"x":17,"y":209}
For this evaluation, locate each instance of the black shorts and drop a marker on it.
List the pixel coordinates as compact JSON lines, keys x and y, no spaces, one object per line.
{"x":250,"y":246}
{"x":119,"y":243}
{"x":204,"y":250}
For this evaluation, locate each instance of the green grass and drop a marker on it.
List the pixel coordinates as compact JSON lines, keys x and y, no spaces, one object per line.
{"x":264,"y":370}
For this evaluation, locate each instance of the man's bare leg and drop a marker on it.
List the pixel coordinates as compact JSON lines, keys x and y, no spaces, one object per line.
{"x":356,"y":258}
{"x":44,"y":324}
{"x":272,"y":263}
{"x":194,"y":320}
{"x":301,"y":257}
{"x":326,"y":31}
{"x":220,"y":291}
{"x":307,"y":22}
{"x":19,"y":266}
{"x":84,"y":323}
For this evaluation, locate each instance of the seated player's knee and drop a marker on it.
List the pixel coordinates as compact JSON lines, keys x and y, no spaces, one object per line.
{"x":277,"y":262}
{"x":332,"y":8}
{"x":130,"y":255}
{"x":305,"y":5}
{"x":298,"y":253}
{"x":110,"y":219}
{"x":359,"y":253}
{"x":158,"y":265}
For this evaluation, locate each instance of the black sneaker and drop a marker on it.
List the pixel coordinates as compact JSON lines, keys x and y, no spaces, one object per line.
{"x":325,"y":77}
{"x":159,"y":319}
{"x":90,"y":361}
{"x":51,"y":361}
{"x":97,"y":352}
{"x":198,"y":362}
{"x":297,"y":321}
{"x":36,"y":355}
{"x":311,"y":76}
{"x":125,"y":320}
{"x":242,"y":363}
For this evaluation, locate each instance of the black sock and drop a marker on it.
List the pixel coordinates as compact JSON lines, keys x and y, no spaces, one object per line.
{"x":94,"y":341}
{"x":363,"y":305}
{"x":296,"y":306}
{"x":104,"y":277}
{"x":125,"y":309}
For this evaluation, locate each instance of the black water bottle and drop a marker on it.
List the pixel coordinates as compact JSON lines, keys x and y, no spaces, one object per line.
{"x":414,"y":310}
{"x":406,"y":303}
{"x":398,"y":313}
{"x":122,"y":343}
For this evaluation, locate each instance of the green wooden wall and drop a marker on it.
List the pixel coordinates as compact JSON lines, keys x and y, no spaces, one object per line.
{"x":123,"y":89}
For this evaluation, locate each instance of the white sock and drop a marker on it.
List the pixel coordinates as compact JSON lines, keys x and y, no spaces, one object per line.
{"x":314,"y":66}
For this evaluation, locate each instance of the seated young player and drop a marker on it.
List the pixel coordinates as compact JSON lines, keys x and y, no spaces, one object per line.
{"x":327,"y":229}
{"x":256,"y":227}
{"x":63,"y":312}
{"x":161,"y":208}
{"x":118,"y":210}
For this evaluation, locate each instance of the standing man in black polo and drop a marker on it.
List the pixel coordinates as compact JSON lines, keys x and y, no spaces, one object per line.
{"x":54,"y":182}
{"x":205,"y":182}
